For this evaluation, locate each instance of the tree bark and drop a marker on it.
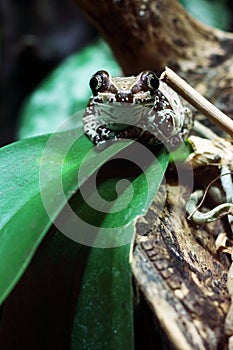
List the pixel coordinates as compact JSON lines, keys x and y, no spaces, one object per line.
{"x":181,"y":275}
{"x":152,"y":34}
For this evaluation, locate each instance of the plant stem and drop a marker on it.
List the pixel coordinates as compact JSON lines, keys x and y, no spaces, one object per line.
{"x":197,"y":100}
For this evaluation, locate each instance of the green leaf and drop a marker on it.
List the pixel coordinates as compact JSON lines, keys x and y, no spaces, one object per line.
{"x":104,"y":316}
{"x":31,"y":176}
{"x":24,"y":221}
{"x":32,"y":172}
{"x":65,"y":91}
{"x":179,"y":155}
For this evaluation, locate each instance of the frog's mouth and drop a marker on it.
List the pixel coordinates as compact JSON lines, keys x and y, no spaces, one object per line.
{"x":120,"y":115}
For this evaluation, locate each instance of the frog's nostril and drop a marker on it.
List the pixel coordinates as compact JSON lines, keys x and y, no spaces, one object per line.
{"x":123,"y":96}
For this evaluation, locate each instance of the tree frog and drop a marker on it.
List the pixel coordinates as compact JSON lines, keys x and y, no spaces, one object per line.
{"x":136,"y":107}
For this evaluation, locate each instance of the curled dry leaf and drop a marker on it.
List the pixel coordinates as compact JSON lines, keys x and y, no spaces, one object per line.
{"x":206,"y":152}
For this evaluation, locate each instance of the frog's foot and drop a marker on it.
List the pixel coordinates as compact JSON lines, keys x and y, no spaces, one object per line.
{"x":132,"y":132}
{"x":140,"y":134}
{"x":173,"y":142}
{"x":102,"y":134}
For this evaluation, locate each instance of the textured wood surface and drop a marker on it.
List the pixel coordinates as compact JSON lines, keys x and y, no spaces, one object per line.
{"x":180,"y":273}
{"x":152,"y":34}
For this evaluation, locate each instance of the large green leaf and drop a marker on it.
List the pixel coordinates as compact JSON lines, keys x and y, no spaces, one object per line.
{"x":104,"y":215}
{"x":31,"y":173}
{"x":24,"y":220}
{"x":65,"y":91}
{"x":104,"y":316}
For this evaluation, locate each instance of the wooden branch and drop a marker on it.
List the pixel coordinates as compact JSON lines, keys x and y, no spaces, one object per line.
{"x":153,"y":34}
{"x":197,"y":100}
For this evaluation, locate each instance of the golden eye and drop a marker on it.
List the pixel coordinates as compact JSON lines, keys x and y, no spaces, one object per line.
{"x":152,"y":82}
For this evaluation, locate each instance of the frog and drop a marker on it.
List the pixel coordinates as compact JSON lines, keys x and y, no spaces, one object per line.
{"x":139,"y":107}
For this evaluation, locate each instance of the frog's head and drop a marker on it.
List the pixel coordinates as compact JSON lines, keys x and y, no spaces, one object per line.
{"x":138,"y":89}
{"x":115,"y":95}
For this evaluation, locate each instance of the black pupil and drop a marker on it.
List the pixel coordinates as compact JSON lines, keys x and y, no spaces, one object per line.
{"x":94,"y":83}
{"x":153,"y":82}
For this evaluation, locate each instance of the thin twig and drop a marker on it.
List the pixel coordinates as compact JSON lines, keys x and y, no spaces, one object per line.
{"x":197,"y":100}
{"x":203,"y":131}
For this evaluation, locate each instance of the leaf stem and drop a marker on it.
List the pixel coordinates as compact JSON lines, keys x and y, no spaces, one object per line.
{"x":197,"y":100}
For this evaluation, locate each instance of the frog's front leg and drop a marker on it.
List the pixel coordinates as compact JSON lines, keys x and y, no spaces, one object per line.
{"x":168,"y":127}
{"x":93,"y":127}
{"x":182,"y":133}
{"x":161,"y":125}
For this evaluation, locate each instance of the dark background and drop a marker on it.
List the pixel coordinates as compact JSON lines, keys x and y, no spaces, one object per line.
{"x":36,"y":35}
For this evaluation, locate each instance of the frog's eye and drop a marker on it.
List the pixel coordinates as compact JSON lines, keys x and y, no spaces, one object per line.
{"x":98,"y":81}
{"x":152,"y":82}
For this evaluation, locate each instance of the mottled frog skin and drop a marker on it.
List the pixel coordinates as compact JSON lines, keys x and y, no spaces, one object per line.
{"x":137,"y":107}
